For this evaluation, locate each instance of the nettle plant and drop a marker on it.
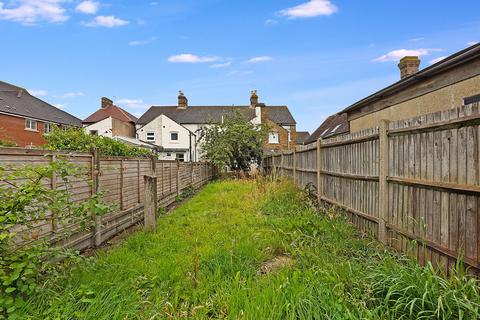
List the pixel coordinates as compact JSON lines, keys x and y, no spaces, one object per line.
{"x":26,"y":201}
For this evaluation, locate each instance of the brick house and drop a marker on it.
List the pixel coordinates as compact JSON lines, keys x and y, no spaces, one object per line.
{"x":175,"y":128}
{"x":24,"y":119}
{"x":110,"y":121}
{"x":449,"y":83}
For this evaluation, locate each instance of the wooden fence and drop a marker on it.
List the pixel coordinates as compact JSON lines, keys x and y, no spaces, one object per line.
{"x":414,"y":184}
{"x":121,"y":182}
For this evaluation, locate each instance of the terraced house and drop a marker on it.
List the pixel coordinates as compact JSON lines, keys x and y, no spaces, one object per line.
{"x":175,"y":129}
{"x":24,"y":119}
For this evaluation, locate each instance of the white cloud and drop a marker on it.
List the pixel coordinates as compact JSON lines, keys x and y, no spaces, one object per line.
{"x":396,"y":55}
{"x":88,"y":7}
{"x":191,"y":58}
{"x":142,"y":42}
{"x":260,"y":59}
{"x":69,"y":95}
{"x":30,"y":12}
{"x":416,"y":39}
{"x":106,"y":21}
{"x":270,"y":22}
{"x":433,"y":61}
{"x":239,"y":73}
{"x":221,"y":65}
{"x":37,"y":93}
{"x":472,"y":43}
{"x":312,"y":8}
{"x":132,"y":103}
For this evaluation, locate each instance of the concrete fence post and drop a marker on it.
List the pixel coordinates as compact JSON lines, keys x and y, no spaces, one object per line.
{"x":282,"y":163}
{"x":97,"y":228}
{"x":383,"y":184}
{"x":150,"y":208}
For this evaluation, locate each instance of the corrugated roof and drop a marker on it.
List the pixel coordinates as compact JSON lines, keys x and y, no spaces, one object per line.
{"x":334,"y":125}
{"x":205,"y":114}
{"x":18,"y":101}
{"x":110,"y":111}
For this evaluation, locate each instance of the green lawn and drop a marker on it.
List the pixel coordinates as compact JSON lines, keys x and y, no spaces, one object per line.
{"x":252,"y":250}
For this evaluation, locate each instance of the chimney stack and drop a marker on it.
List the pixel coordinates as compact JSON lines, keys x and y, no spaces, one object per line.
{"x":105,"y":102}
{"x":253,"y":99}
{"x":182,"y":100}
{"x":408,"y":66}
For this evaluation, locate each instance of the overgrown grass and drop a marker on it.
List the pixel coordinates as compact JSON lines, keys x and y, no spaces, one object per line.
{"x":205,"y":261}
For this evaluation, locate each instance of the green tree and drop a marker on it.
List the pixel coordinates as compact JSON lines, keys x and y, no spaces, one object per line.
{"x":235,"y":143}
{"x":75,"y":139}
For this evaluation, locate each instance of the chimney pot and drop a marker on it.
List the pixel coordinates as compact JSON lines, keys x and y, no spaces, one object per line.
{"x":253,"y":98}
{"x":182,"y":100}
{"x":105,"y":102}
{"x":408,"y":66}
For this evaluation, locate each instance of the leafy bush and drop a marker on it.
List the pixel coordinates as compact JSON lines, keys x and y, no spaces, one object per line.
{"x":25,"y":200}
{"x":7,"y":143}
{"x":75,"y":139}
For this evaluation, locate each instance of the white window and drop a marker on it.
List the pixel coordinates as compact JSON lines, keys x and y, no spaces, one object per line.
{"x":150,"y":136}
{"x":47,"y":127}
{"x":174,"y":136}
{"x":180,"y":157}
{"x":30,"y":124}
{"x":273,"y":137}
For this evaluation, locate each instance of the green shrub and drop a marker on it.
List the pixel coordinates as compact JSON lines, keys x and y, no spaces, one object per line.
{"x":75,"y":139}
{"x":25,"y":200}
{"x":7,"y":143}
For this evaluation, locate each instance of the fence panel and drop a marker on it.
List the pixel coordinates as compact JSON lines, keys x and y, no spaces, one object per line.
{"x":120,"y":181}
{"x":431,"y":182}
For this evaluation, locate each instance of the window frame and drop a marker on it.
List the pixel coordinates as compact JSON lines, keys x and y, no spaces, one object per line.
{"x":171,"y":136}
{"x":47,"y":125}
{"x":182,"y":158}
{"x":30,"y":122}
{"x":150,"y":136}
{"x":274,"y":134}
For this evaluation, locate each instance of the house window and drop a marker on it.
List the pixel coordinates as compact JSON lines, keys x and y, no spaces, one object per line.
{"x":273,"y":137}
{"x":94,"y":132}
{"x":47,"y":127}
{"x":30,"y":124}
{"x":174,"y":136}
{"x":180,"y":157}
{"x":150,"y":136}
{"x":169,"y":154}
{"x":472,"y":99}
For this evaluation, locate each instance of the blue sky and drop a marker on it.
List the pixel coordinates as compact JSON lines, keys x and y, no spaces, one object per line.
{"x":316,"y":56}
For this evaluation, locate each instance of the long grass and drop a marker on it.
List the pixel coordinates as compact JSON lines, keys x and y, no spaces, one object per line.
{"x":206,"y":261}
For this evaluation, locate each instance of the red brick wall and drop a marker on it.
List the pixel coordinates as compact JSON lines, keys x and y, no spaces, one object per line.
{"x":13,"y":129}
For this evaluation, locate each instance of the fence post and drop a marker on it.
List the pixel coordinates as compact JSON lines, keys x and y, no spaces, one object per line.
{"x":53,"y":185}
{"x":153,"y":160}
{"x":319,"y":168}
{"x":383,"y":184}
{"x":122,"y":183}
{"x":97,"y":229}
{"x":178,"y":178}
{"x":191,"y":173}
{"x":150,"y":208}
{"x":282,"y":163}
{"x":294,"y":164}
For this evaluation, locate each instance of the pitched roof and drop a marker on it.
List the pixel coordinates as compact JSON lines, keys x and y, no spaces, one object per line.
{"x":302,"y":136}
{"x":449,"y":62}
{"x":334,"y":125}
{"x":110,"y":111}
{"x":18,"y":101}
{"x":205,"y":114}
